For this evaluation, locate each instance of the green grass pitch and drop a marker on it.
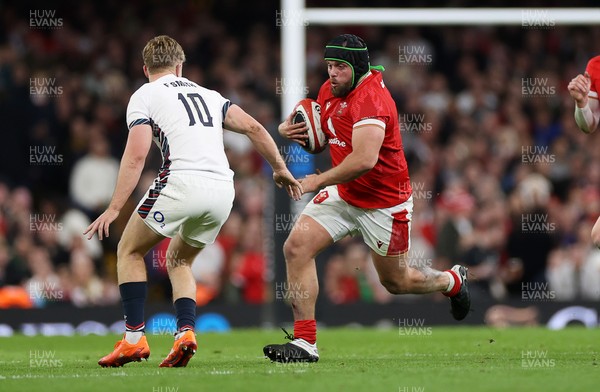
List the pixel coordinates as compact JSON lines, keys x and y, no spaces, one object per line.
{"x":407,"y":360}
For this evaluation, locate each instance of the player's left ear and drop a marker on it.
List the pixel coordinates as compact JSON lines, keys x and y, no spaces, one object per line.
{"x":146,"y":74}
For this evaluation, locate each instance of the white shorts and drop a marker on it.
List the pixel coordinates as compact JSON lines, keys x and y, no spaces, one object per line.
{"x":191,"y":205}
{"x":385,"y":230}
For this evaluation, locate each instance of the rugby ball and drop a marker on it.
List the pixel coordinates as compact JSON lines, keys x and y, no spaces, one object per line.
{"x":309,"y":111}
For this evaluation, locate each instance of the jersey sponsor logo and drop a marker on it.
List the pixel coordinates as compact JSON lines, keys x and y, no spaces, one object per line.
{"x":321,"y":197}
{"x":159,"y":217}
{"x":335,"y":141}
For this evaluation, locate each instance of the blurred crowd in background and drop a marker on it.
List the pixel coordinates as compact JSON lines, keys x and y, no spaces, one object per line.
{"x":503,"y":180}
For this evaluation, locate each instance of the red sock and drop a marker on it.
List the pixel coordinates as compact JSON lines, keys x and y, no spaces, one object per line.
{"x":306,"y":329}
{"x":456,"y":287}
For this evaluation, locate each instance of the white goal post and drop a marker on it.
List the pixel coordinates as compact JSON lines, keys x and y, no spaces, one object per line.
{"x":293,"y":17}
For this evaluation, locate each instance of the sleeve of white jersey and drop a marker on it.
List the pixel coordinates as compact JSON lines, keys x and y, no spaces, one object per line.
{"x":225,"y":104}
{"x":137,"y":111}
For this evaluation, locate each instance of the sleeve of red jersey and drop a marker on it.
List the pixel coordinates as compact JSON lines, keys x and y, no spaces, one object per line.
{"x":593,"y":69}
{"x":369,"y":109}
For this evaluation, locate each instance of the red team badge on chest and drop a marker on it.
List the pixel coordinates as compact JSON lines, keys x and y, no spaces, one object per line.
{"x":321,"y":197}
{"x":341,"y":108}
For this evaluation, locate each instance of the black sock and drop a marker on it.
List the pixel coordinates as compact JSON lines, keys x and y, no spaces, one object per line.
{"x":133,"y":297}
{"x":186,"y":313}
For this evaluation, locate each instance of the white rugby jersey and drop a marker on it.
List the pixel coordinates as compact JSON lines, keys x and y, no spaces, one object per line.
{"x":187,"y":125}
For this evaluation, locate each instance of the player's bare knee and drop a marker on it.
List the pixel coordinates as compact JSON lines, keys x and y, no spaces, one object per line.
{"x":124,"y":252}
{"x":293,"y":248}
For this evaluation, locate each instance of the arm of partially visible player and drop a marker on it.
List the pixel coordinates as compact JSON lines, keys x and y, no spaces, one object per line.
{"x":132,"y":164}
{"x":366,"y":143}
{"x":237,"y":120}
{"x":587,"y":110}
{"x":587,"y":116}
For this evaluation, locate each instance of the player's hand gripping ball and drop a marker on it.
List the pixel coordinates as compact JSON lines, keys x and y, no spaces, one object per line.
{"x":309,"y":111}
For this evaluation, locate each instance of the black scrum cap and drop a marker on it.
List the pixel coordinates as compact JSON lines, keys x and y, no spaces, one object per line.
{"x":352,"y":50}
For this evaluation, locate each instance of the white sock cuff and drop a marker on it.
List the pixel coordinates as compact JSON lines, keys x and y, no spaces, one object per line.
{"x":132,"y":337}
{"x":452,"y":282}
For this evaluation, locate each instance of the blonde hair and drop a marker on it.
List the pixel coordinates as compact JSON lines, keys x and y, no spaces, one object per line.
{"x":162,"y":52}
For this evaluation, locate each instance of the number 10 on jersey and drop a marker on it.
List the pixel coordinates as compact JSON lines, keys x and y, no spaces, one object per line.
{"x":203,"y":115}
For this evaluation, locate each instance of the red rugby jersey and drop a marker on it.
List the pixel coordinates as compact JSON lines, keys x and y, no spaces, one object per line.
{"x":388,"y":183}
{"x":593,"y":69}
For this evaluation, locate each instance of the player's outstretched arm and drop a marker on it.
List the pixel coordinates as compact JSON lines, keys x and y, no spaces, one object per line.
{"x":366,"y":143}
{"x":587,"y":110}
{"x":237,"y":120}
{"x":132,"y":164}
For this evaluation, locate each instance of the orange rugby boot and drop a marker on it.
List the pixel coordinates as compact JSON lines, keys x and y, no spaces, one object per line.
{"x":125,"y":352}
{"x":183,"y":349}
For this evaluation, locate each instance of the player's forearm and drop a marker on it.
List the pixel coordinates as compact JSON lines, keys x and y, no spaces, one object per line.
{"x":352,"y":167}
{"x":266,"y":147}
{"x":239,"y":121}
{"x":585,"y":119}
{"x":129,"y":175}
